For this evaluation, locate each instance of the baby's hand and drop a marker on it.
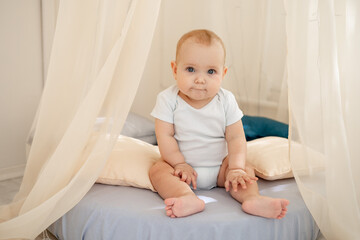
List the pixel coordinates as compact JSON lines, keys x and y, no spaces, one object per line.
{"x":236,"y":177}
{"x":186,"y":173}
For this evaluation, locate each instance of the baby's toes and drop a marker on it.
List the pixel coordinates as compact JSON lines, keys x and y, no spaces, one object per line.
{"x":169,"y":213}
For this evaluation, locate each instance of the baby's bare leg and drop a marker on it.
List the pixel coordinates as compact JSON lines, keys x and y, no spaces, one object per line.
{"x":179,"y":199}
{"x":255,"y":204}
{"x":252,"y":202}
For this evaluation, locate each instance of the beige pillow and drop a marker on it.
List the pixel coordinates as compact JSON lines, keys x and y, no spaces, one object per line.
{"x":131,"y":160}
{"x":270,"y":157}
{"x":129,"y":163}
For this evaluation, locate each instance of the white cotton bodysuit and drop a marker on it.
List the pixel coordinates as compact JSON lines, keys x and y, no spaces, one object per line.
{"x":200,"y":133}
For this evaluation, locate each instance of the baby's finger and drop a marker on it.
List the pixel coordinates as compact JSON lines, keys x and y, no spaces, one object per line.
{"x":242,"y":183}
{"x":234,"y":184}
{"x":188,"y":180}
{"x":251,"y":180}
{"x":193,"y":181}
{"x":183,"y":176}
{"x":177,"y":172}
{"x":254,"y":178}
{"x":248,"y":179}
{"x":226,"y":184}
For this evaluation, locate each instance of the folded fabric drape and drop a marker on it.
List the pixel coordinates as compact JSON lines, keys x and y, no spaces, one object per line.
{"x":99,"y":53}
{"x":323,"y":49}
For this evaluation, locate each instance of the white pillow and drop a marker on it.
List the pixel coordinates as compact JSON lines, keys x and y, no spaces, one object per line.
{"x":139,"y":127}
{"x":270,"y":157}
{"x":129,"y":163}
{"x":135,"y":126}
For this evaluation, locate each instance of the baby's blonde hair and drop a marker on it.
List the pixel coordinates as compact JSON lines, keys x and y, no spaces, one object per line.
{"x":202,"y":36}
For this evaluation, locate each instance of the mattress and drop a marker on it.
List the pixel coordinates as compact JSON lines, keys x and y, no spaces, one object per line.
{"x":117,"y":212}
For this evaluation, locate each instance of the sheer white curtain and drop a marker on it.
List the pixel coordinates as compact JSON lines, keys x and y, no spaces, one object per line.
{"x":99,"y":52}
{"x":257,"y":52}
{"x":323,"y":73}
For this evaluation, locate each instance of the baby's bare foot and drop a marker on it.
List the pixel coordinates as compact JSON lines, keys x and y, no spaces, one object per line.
{"x":183,"y":206}
{"x":266,"y":207}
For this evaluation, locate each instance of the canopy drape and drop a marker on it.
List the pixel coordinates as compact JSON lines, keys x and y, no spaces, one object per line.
{"x":99,"y":52}
{"x":305,"y":50}
{"x":323,"y":76}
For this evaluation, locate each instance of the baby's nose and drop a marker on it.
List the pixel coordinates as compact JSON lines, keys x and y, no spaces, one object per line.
{"x":200,"y":79}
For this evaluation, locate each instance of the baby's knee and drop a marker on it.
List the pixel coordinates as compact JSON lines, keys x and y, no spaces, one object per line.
{"x":154,"y":169}
{"x":158,"y":168}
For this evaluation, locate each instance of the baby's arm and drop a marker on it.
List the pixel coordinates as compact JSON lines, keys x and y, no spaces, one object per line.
{"x":170,"y":152}
{"x":236,"y":141}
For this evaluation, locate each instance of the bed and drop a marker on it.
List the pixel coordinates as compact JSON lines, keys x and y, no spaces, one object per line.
{"x":126,"y":212}
{"x":121,"y":212}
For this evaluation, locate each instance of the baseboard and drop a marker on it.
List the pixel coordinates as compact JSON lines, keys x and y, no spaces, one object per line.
{"x":12,"y":172}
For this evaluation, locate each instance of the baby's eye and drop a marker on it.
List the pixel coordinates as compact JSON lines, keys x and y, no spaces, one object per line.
{"x":190,"y":69}
{"x":211,"y":71}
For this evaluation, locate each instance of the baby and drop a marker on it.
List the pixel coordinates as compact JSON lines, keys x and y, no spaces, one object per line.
{"x":200,"y":134}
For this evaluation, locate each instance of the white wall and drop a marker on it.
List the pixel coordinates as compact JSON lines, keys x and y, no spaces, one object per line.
{"x":151,"y":84}
{"x":26,"y":33}
{"x":255,"y":52}
{"x":21,"y":79}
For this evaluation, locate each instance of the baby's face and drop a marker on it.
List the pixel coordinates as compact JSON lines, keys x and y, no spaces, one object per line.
{"x":199,"y":71}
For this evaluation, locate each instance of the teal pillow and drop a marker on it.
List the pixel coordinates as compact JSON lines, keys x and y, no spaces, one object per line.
{"x":258,"y":127}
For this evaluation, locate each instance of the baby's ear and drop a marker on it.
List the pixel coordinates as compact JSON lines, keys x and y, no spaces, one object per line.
{"x":174,"y":68}
{"x":173,"y":65}
{"x":225,"y":71}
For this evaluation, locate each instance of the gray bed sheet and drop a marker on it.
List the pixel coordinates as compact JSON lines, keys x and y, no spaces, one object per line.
{"x":117,"y":212}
